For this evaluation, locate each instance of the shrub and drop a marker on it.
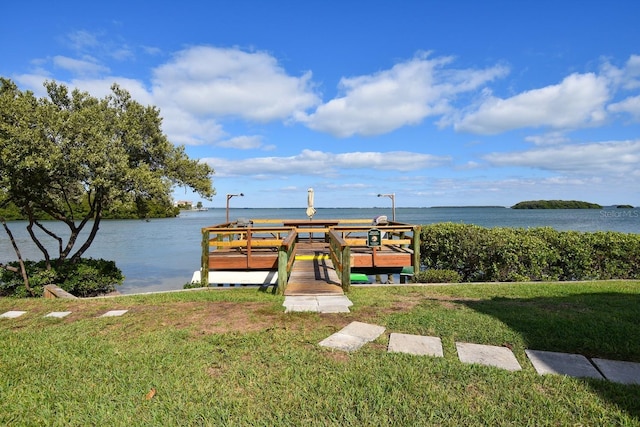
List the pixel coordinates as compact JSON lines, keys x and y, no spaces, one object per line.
{"x":192,"y":285}
{"x":85,"y":278}
{"x":436,"y":276}
{"x":516,"y":254}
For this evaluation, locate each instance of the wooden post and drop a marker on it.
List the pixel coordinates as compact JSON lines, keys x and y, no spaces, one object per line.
{"x":373,"y":256}
{"x":283,"y":263}
{"x":249,"y":235}
{"x":416,"y":249}
{"x":346,"y":268}
{"x":204,"y":265}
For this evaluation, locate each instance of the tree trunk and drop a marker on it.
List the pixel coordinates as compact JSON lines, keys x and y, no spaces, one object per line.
{"x":23,"y":270}
{"x":92,"y":234}
{"x":39,"y":244}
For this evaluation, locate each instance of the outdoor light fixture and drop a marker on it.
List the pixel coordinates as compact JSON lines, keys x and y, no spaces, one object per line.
{"x":392,"y":196}
{"x":229,"y":196}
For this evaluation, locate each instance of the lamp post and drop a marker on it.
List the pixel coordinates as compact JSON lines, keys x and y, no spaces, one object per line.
{"x":229,"y":196}
{"x":392,"y":196}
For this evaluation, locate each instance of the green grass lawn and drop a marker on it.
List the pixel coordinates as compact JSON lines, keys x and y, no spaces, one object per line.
{"x":233,"y":357}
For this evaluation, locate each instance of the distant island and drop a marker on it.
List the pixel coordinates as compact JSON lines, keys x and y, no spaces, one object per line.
{"x":555,"y":204}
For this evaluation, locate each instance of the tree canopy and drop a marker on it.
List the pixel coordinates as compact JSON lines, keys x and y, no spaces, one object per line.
{"x":75,"y":157}
{"x":555,"y":204}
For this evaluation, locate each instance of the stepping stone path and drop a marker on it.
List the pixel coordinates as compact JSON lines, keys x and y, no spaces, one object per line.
{"x":114,"y":313}
{"x":415,"y":344}
{"x":12,"y":314}
{"x":489,"y":355}
{"x":58,"y":314}
{"x":551,"y":362}
{"x":619,"y":372}
{"x":317,"y":304}
{"x":355,"y":335}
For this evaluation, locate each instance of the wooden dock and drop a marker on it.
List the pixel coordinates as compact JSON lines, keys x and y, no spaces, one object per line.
{"x":313,"y":272}
{"x":312,"y":257}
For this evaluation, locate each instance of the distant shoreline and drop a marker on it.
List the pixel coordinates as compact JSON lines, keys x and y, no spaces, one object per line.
{"x":468,"y":207}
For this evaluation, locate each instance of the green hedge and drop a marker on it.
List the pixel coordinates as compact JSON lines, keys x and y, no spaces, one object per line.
{"x":436,"y":276}
{"x":481,"y":254}
{"x":85,"y":278}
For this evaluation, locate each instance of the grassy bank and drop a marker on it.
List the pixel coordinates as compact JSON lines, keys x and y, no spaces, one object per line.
{"x":233,"y":357}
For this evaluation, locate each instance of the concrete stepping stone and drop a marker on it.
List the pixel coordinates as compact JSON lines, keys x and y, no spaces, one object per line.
{"x":489,"y":355}
{"x":318,"y":304}
{"x":12,"y":314}
{"x":573,"y":365}
{"x":114,"y":313}
{"x":58,"y":314}
{"x":618,"y":371}
{"x":353,"y":336}
{"x":418,"y":345}
{"x":334,"y":300}
{"x":300,"y":304}
{"x":334,"y":304}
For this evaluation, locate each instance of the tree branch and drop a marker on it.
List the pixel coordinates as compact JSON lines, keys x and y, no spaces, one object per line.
{"x":23,"y":270}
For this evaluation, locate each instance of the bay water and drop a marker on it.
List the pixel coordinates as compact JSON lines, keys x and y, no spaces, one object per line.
{"x":162,"y":254}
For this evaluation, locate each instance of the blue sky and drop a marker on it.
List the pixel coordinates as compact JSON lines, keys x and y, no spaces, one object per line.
{"x":443,"y":103}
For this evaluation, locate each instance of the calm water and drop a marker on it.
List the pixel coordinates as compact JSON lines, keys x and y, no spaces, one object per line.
{"x":162,"y":254}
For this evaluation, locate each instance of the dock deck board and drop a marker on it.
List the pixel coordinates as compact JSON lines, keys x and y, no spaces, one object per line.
{"x":313,"y":272}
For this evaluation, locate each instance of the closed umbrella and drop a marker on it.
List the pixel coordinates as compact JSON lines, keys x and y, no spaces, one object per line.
{"x":310,"y":209}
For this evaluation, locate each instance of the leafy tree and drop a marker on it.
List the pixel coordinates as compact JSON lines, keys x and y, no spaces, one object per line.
{"x":76,"y":158}
{"x":555,"y":204}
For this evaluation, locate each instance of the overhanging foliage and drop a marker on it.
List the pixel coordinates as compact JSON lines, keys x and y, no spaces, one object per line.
{"x":75,"y":158}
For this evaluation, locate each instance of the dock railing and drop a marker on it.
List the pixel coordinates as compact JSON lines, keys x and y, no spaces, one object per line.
{"x":340,"y":254}
{"x":398,"y":242}
{"x":252,"y":243}
{"x":394,"y":235}
{"x":245,"y":246}
{"x":286,"y":258}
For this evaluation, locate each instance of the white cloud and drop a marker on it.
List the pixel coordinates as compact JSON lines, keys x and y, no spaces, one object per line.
{"x":470,"y":165}
{"x":205,"y":80}
{"x":244,"y":142}
{"x":98,"y":44}
{"x":348,"y":186}
{"x":402,"y":161}
{"x":98,"y":87}
{"x":576,"y":102}
{"x":200,"y":86}
{"x":102,"y":87}
{"x":123,"y":53}
{"x":550,"y":138}
{"x":34,"y":81}
{"x":630,"y":105}
{"x":403,"y":95}
{"x":184,"y":128}
{"x":82,"y":40}
{"x":507,"y":191}
{"x":151,"y":50}
{"x":85,"y":66}
{"x":632,"y":73}
{"x":320,"y":163}
{"x":615,"y":158}
{"x":627,"y":77}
